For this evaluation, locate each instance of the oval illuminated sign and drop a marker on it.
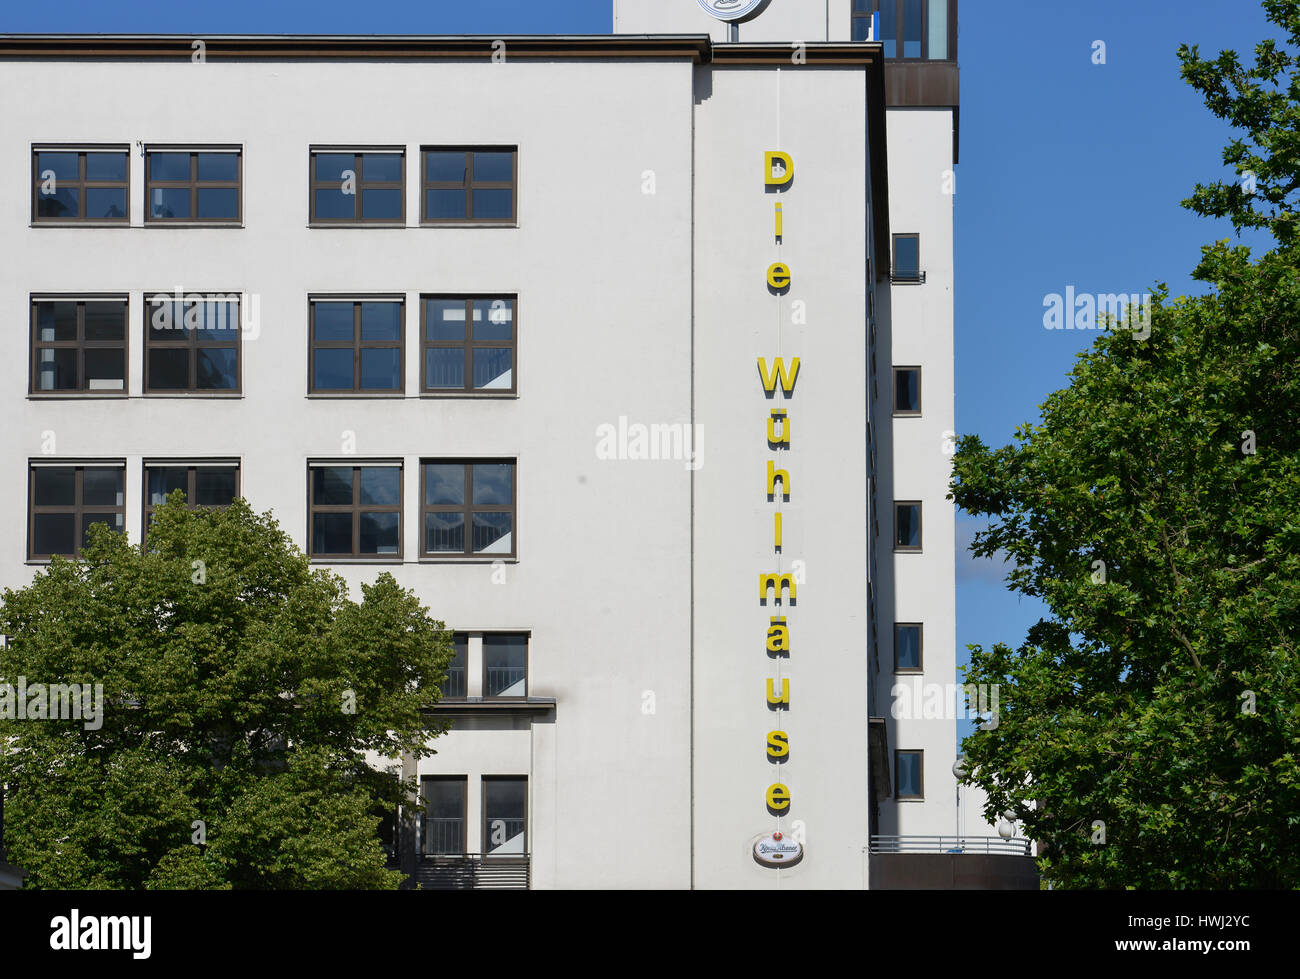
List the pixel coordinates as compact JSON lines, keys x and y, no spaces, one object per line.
{"x":778,"y":850}
{"x":733,"y":10}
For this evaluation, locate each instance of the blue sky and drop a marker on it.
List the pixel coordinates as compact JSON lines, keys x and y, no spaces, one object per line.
{"x":1070,"y":173}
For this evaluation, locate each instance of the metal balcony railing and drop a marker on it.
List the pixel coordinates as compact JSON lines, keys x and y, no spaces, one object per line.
{"x":455,"y":685}
{"x":474,"y":871}
{"x":908,"y":277}
{"x":444,"y":835}
{"x":1016,"y":846}
{"x":502,"y":678}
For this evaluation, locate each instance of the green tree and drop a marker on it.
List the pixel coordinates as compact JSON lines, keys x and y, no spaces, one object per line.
{"x":1149,"y":727}
{"x":242,"y":691}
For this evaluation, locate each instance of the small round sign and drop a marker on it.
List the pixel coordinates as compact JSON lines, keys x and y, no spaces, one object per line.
{"x":733,"y":11}
{"x":775,"y":850}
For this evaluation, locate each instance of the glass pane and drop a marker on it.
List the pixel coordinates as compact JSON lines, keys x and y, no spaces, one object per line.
{"x":56,"y":321}
{"x":444,"y":815}
{"x":908,"y":651}
{"x":63,"y":166}
{"x":861,"y":28}
{"x":444,"y":167}
{"x":383,"y":167}
{"x":332,"y":485}
{"x":444,"y":484}
{"x":889,"y":27}
{"x":455,"y":683}
{"x":494,"y":319}
{"x":215,"y":487}
{"x":101,"y":486}
{"x":912,"y":28}
{"x":162,"y":481}
{"x":492,"y":368}
{"x":106,"y":166}
{"x":169,"y":370}
{"x":908,"y":525}
{"x":54,"y":533}
{"x":113,"y":521}
{"x":219,"y":322}
{"x":106,"y":369}
{"x":219,"y":166}
{"x":938,"y":32}
{"x":334,"y":321}
{"x":909,"y":773}
{"x":333,"y":370}
{"x":494,"y":167}
{"x":907,"y":256}
{"x":105,"y":321}
{"x":862,"y":6}
{"x":381,"y":205}
{"x":379,"y":533}
{"x":169,"y":166}
{"x":445,"y":205}
{"x":381,"y":321}
{"x":381,"y":369}
{"x":105,"y":202}
{"x":218,"y":203}
{"x":444,"y":319}
{"x":381,"y":486}
{"x":334,"y":205}
{"x":504,"y":806}
{"x":56,"y":370}
{"x":444,"y":367}
{"x":55,"y":486}
{"x":169,"y":202}
{"x":166,"y":319}
{"x":907,"y":391}
{"x":494,"y":483}
{"x":493,"y":204}
{"x":444,"y":532}
{"x":218,"y":368}
{"x":330,"y":166}
{"x":505,"y":666}
{"x":64,"y":202}
{"x":492,"y":533}
{"x":331,"y":533}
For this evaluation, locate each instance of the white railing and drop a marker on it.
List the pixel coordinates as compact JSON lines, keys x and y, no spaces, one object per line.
{"x":1017,"y":846}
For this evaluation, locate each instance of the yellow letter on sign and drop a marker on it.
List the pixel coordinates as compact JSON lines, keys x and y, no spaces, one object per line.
{"x":778,"y":798}
{"x":778,"y":275}
{"x":778,"y":745}
{"x":770,"y":175}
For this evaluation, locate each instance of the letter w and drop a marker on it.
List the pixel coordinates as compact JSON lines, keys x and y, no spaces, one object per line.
{"x":779,"y":373}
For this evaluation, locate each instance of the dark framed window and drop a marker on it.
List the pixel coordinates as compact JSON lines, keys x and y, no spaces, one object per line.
{"x":66,"y":501}
{"x":212,"y":485}
{"x":478,"y":494}
{"x":908,"y":650}
{"x":76,"y":184}
{"x":354,"y":511}
{"x":79,"y":345}
{"x":191,"y":344}
{"x":505,"y":815}
{"x":907,"y":259}
{"x":356,"y":346}
{"x":474,"y":184}
{"x":357,"y":186}
{"x":202,"y":185}
{"x":458,"y":669}
{"x":505,"y":665}
{"x":909,"y":774}
{"x":469,"y":344}
{"x":907,"y":525}
{"x":911,"y":29}
{"x":446,"y":800}
{"x":907,"y":390}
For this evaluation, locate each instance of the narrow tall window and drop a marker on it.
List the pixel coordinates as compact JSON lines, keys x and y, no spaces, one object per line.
{"x":355,"y":511}
{"x":909,"y":772}
{"x":79,"y":346}
{"x":469,"y":184}
{"x":907,"y":526}
{"x":191,"y":344}
{"x":73,"y":184}
{"x":907,"y":390}
{"x":505,"y":815}
{"x":907,"y":647}
{"x":457,"y":669}
{"x":358,"y":186}
{"x":505,"y":665}
{"x":444,"y":814}
{"x":469,"y":344}
{"x":357,"y":346}
{"x":467,"y":507}
{"x":193,"y":185}
{"x":907,"y":258}
{"x":66,"y":501}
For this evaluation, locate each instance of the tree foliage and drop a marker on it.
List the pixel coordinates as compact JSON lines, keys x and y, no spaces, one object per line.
{"x":242,"y":690}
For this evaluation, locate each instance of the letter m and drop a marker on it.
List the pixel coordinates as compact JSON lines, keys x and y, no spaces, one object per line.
{"x":779,"y":373}
{"x":780,"y":582}
{"x":1110,"y":304}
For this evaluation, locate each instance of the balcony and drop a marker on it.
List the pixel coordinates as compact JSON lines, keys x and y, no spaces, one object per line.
{"x":952,"y":863}
{"x":473,"y":871}
{"x":950,"y":844}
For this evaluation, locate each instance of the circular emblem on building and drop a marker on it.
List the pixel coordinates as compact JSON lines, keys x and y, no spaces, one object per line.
{"x":777,"y":850}
{"x":734,"y":11}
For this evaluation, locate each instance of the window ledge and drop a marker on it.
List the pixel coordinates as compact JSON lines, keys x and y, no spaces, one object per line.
{"x":356,"y":560}
{"x":392,"y":225}
{"x":191,"y":224}
{"x":909,"y":672}
{"x":78,"y":395}
{"x":192,"y":395}
{"x":906,"y":414}
{"x":475,"y":705}
{"x":469,"y":224}
{"x":470,"y":395}
{"x":487,"y":559}
{"x":80,"y":224}
{"x":356,"y":395}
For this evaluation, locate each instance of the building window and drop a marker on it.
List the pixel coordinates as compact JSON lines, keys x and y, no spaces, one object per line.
{"x":907,"y":259}
{"x":927,"y":27}
{"x":215,"y":486}
{"x":907,"y":526}
{"x":445,"y":804}
{"x":66,"y":501}
{"x":907,"y":647}
{"x":478,"y":494}
{"x":458,"y":669}
{"x":909,"y":770}
{"x":505,"y":665}
{"x":198,"y":185}
{"x":191,"y":344}
{"x":469,"y":343}
{"x":907,"y":390}
{"x":79,"y":346}
{"x":505,"y":815}
{"x":358,"y":186}
{"x":71,"y":184}
{"x":469,"y":184}
{"x":356,"y":346}
{"x":355,"y":511}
